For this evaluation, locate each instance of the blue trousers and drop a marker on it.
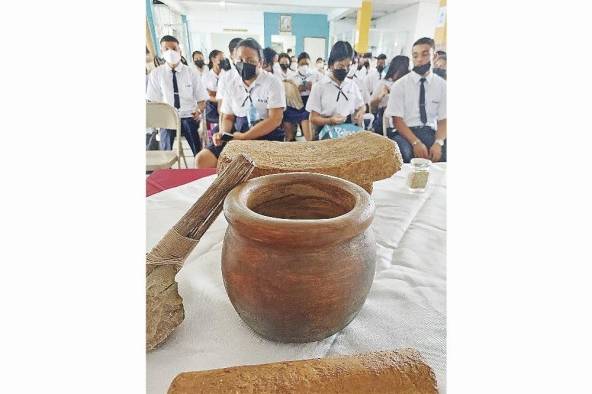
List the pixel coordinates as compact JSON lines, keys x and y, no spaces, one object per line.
{"x":426,"y":135}
{"x":189,"y":128}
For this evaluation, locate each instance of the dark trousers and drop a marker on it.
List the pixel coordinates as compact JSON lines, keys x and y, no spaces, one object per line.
{"x":426,"y":135}
{"x":189,"y":128}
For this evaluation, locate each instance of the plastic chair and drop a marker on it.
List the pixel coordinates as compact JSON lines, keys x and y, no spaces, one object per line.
{"x":161,"y":115}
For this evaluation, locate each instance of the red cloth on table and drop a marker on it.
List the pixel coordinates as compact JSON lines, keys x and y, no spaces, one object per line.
{"x":161,"y":180}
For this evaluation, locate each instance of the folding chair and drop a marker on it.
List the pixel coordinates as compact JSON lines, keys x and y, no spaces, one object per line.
{"x":161,"y":115}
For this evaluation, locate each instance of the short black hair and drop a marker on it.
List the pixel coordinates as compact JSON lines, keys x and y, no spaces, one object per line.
{"x":341,"y":50}
{"x":268,"y":55}
{"x":425,"y":41}
{"x":382,"y":56}
{"x":367,"y":55}
{"x":233,"y":44}
{"x":289,"y":50}
{"x":168,"y":39}
{"x":303,"y":55}
{"x":283,"y":55}
{"x":321,"y":59}
{"x":212,"y":55}
{"x":253,"y":44}
{"x":196,"y":53}
{"x":441,"y":53}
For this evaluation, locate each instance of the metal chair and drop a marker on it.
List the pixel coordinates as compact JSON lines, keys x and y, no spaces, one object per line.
{"x":161,"y":115}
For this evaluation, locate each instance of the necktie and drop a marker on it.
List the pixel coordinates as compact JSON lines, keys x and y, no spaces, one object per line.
{"x":422,"y":110}
{"x":248,"y":92}
{"x":340,"y":93}
{"x":176,"y":91}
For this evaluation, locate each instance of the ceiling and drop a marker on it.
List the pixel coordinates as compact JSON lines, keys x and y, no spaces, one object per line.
{"x":335,"y":9}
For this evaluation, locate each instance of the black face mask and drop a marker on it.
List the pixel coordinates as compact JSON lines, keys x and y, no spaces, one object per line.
{"x":199,"y":63}
{"x":360,"y":66}
{"x":340,"y":74}
{"x":225,"y":65}
{"x":247,"y":71}
{"x":379,"y":68}
{"x":422,"y":69}
{"x":284,"y":66}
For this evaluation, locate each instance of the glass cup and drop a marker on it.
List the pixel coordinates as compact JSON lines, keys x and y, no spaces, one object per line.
{"x":417,"y":179}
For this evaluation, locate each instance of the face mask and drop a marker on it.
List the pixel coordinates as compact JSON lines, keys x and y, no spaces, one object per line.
{"x":293,"y":66}
{"x":284,"y":66}
{"x":247,"y":71}
{"x":199,"y":63}
{"x":303,"y":69}
{"x":340,"y":74}
{"x":171,"y":56}
{"x":225,"y":65}
{"x":422,"y":69}
{"x":379,"y":69}
{"x":320,"y":66}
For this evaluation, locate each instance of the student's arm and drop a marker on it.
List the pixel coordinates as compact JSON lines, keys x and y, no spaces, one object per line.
{"x":314,"y":107}
{"x":227,"y":120}
{"x":377,"y":96}
{"x":266,"y":126}
{"x":436,"y":149}
{"x":153,"y":92}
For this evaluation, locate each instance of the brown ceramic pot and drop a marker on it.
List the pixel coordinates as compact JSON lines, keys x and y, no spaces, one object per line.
{"x":299,"y":254}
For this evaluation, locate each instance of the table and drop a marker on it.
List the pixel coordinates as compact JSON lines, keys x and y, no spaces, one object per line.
{"x":406,"y":306}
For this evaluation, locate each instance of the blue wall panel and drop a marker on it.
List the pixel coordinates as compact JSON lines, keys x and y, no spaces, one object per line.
{"x":303,"y":25}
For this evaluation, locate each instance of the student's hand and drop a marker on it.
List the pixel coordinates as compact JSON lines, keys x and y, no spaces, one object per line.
{"x":435,"y":152}
{"x":196,"y":115}
{"x":217,"y":139}
{"x":420,"y":150}
{"x":359,"y":115}
{"x":337,"y":119}
{"x":385,"y":91}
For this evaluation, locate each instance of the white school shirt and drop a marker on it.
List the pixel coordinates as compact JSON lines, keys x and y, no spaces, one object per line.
{"x":384,"y":102}
{"x":277,"y":69}
{"x":372,"y":80}
{"x":324,"y":93}
{"x":267,"y":92}
{"x":310,"y":76}
{"x":210,"y":79}
{"x":200,"y":71}
{"x":191,"y":89}
{"x":362,"y":86}
{"x":404,"y":99}
{"x":289,"y":74}
{"x":225,"y":80}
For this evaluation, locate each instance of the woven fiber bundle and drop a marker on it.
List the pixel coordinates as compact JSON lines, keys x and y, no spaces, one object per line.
{"x":395,"y":372}
{"x":293,"y":98}
{"x":361,"y":158}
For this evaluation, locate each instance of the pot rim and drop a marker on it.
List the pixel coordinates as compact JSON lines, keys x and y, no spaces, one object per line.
{"x":309,"y":232}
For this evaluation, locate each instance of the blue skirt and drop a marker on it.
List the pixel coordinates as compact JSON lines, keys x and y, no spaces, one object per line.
{"x":241,"y":124}
{"x":293,"y":115}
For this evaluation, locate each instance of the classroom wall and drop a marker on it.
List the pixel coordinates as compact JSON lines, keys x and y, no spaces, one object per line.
{"x":303,"y":25}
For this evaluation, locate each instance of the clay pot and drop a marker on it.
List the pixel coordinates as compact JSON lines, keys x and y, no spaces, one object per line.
{"x":299,"y":256}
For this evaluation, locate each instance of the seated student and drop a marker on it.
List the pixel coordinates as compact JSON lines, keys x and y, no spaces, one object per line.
{"x":259,"y":94}
{"x":320,"y":67}
{"x":417,"y":103}
{"x":304,"y":78}
{"x":269,"y":64}
{"x":375,"y":75}
{"x":440,"y":64}
{"x":198,"y":64}
{"x":177,"y":85}
{"x":284,"y":62}
{"x":230,"y":70}
{"x":211,"y":79}
{"x":398,"y":68}
{"x":336,"y":99}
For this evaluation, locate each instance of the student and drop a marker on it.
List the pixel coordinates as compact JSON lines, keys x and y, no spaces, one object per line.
{"x":375,"y":75}
{"x":284,"y":61}
{"x":336,"y":99}
{"x":304,"y":78}
{"x":440,"y":64}
{"x":259,"y":94}
{"x":293,"y":63}
{"x":228,"y":66}
{"x":417,"y":104}
{"x":399,"y":67}
{"x":198,"y":63}
{"x":176,"y":84}
{"x":320,"y":64}
{"x":211,"y":80}
{"x":268,"y":60}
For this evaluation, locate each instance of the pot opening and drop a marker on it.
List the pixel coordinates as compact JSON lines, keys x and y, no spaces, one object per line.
{"x":301,"y":200}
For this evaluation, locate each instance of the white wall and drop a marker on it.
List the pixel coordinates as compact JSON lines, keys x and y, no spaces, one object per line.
{"x":203,"y":20}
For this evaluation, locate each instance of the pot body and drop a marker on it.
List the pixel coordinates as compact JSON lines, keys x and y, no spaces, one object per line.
{"x":298,"y":258}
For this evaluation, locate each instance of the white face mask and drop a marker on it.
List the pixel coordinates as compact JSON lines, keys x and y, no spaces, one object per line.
{"x":303,"y":69}
{"x":171,"y":56}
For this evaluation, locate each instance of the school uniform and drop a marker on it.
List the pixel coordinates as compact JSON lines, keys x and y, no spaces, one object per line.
{"x":283,"y":76}
{"x":211,"y":80}
{"x":372,"y":80}
{"x":377,"y":126}
{"x":362,"y":86}
{"x":182,"y":89}
{"x":200,"y":71}
{"x":404,"y":101}
{"x":329,"y":98}
{"x":277,"y":69}
{"x":250,"y":104}
{"x":228,"y":78}
{"x":293,"y":115}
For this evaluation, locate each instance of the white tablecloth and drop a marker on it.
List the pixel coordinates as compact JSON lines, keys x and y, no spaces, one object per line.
{"x":406,"y":306}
